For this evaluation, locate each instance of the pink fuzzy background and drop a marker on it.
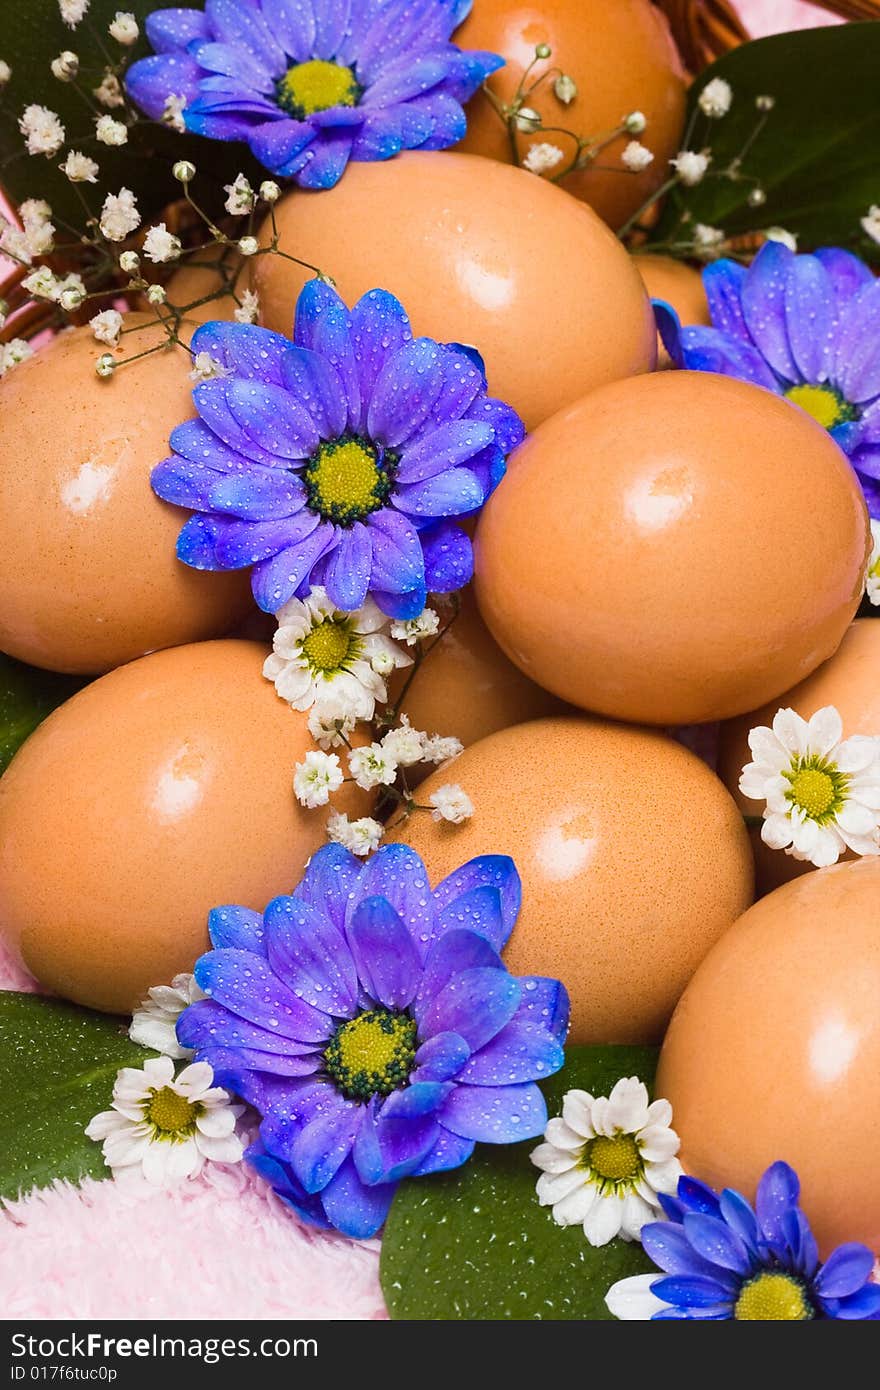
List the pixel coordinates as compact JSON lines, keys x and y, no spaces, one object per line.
{"x":223,"y":1245}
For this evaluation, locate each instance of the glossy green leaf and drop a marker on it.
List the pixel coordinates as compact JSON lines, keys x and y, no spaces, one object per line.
{"x":57,"y":1068}
{"x":32,"y":33}
{"x":816,"y":158}
{"x":475,"y":1244}
{"x":26,"y":697}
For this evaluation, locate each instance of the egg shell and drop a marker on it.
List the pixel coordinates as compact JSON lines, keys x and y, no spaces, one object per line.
{"x":851,"y":682}
{"x":774,"y":1051}
{"x":479,"y":253}
{"x":88,"y":572}
{"x":632,"y":856}
{"x":203,"y":276}
{"x":644,"y":556}
{"x":679,"y":285}
{"x":466,"y":686}
{"x":160,"y":791}
{"x":621,"y":56}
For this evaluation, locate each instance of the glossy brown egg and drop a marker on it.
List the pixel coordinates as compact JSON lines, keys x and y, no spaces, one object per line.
{"x":680,"y":285}
{"x":633,"y":861}
{"x":479,"y":253}
{"x":774,"y":1051}
{"x":466,"y":686}
{"x":158,"y":792}
{"x":621,"y":56}
{"x":88,"y":572}
{"x":644,"y":556}
{"x":851,"y":682}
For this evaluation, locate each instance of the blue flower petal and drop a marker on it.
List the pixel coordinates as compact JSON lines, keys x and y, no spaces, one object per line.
{"x":845,"y":1271}
{"x":151,"y":81}
{"x":324,"y":1140}
{"x":544,"y":1001}
{"x":739,"y":1216}
{"x":387,"y":961}
{"x":237,"y":927}
{"x":712,"y":1238}
{"x":709,"y":350}
{"x":244,"y":25}
{"x":243,"y":983}
{"x":448,"y":121}
{"x":448,"y":557}
{"x":477,"y":1004}
{"x":669,"y":327}
{"x":245,"y":543}
{"x":243,"y":349}
{"x":867,"y":463}
{"x":330,"y":878}
{"x":306,"y":950}
{"x":233,"y":61}
{"x":763,"y":302}
{"x":281,"y":144}
{"x":862,"y":1306}
{"x":464,"y":386}
{"x":406,"y":1130}
{"x":198,"y":540}
{"x":453,"y":493}
{"x":175,"y":28}
{"x":717,"y":1312}
{"x":315,"y":383}
{"x":449,"y":956}
{"x":207,"y":1025}
{"x":485,"y":871}
{"x":478,"y":911}
{"x":495,"y":1114}
{"x":723,"y":282}
{"x":522,"y":1051}
{"x":405,"y":78}
{"x":440,"y":1058}
{"x":690,"y":1291}
{"x":184,"y":483}
{"x":800,"y":1242}
{"x":449,"y":1152}
{"x":353,"y":1208}
{"x":325,"y":159}
{"x":402,"y":606}
{"x":848,"y":274}
{"x":406,"y":389}
{"x":282,"y":1181}
{"x":195,"y":440}
{"x":261,"y":494}
{"x":698,"y":1196}
{"x":857,"y":366}
{"x":669,"y":1248}
{"x":778,"y":1190}
{"x":324,"y":325}
{"x":442,"y":450}
{"x":398,"y":561}
{"x":234,"y":121}
{"x":277,"y":580}
{"x":346,"y":575}
{"x":379,"y":326}
{"x":210,"y":400}
{"x":395,"y":872}
{"x":380,"y":137}
{"x":508,"y":427}
{"x":293,"y":23}
{"x":809,"y":317}
{"x":271,"y":415}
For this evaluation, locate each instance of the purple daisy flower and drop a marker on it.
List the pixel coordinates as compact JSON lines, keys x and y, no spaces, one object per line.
{"x":311,"y":84}
{"x":806,"y":327}
{"x":338,"y":459}
{"x":724,"y":1261}
{"x":374,"y":1026}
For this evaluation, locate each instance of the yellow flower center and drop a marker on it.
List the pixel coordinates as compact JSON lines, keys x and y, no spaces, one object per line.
{"x":813,"y":791}
{"x":316,"y":86}
{"x":171,"y":1113}
{"x":615,"y":1159}
{"x":372,"y":1054}
{"x":328,"y":646}
{"x":824,"y":404}
{"x":345,"y":480}
{"x":773,"y":1298}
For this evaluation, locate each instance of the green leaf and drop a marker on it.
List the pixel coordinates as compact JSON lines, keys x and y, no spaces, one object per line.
{"x":474,"y":1244}
{"x":32,"y":33}
{"x":58,"y":1066}
{"x":816,"y":158}
{"x":26,"y":697}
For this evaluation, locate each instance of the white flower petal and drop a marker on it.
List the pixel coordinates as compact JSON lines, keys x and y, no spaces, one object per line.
{"x":631,"y":1299}
{"x":572,"y":1210}
{"x":636,"y":1212}
{"x":576,"y":1108}
{"x":658,"y":1142}
{"x":660,"y":1177}
{"x":825,"y":730}
{"x":553,"y":1160}
{"x":857,"y":754}
{"x":552,"y":1187}
{"x":776,"y":831}
{"x":660,"y":1112}
{"x":791,"y":730}
{"x":562,"y":1136}
{"x":855,"y":819}
{"x":628,"y":1105}
{"x":216,"y":1123}
{"x":604,"y":1219}
{"x":229,"y":1149}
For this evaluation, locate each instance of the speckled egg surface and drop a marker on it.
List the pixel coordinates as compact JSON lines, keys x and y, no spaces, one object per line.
{"x":774,"y":1051}
{"x":88,"y":572}
{"x":621,"y":57}
{"x":158,"y":792}
{"x":633,"y":861}
{"x":478,"y":253}
{"x":851,"y":682}
{"x":644,"y":558}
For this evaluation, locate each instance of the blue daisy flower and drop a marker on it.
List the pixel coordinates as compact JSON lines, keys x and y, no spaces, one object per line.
{"x":311,"y":84}
{"x":724,"y":1261}
{"x":374,"y":1026}
{"x":338,"y":459}
{"x":806,"y":327}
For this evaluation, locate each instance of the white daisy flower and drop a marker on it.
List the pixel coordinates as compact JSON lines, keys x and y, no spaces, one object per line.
{"x":413,"y":630}
{"x":822,"y":791}
{"x":154,"y":1021}
{"x":715,"y":98}
{"x":321,"y":654}
{"x":405,"y":744}
{"x":107,"y":326}
{"x":80,"y":168}
{"x":605,"y":1160}
{"x":372,"y":766}
{"x":42,"y":130}
{"x":451,"y":803}
{"x":872,"y":578}
{"x":690,"y":166}
{"x":636,"y":156}
{"x":542,"y":158}
{"x":357,"y":836}
{"x":316,"y":777}
{"x":119,"y":215}
{"x":165,"y":1125}
{"x":160,"y":245}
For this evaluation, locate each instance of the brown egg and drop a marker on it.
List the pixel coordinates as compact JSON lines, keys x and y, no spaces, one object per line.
{"x":774,"y":1051}
{"x":644,"y":556}
{"x":88,"y":573}
{"x":479,"y":253}
{"x":632,"y":856}
{"x":851,"y":682}
{"x":680,"y":285}
{"x":622,"y":58}
{"x":205,"y":276}
{"x":466,"y":687}
{"x":158,"y":792}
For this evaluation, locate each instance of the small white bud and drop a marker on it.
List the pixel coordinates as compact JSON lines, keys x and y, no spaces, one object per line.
{"x":757,"y":198}
{"x":565,"y":88}
{"x":5,"y":73}
{"x":635,"y":122}
{"x":715,"y":98}
{"x":269,"y":191}
{"x":543,"y":51}
{"x":248,"y":246}
{"x":184,"y":171}
{"x":124,"y":28}
{"x":765,"y":103}
{"x":156,"y":294}
{"x":130,"y":262}
{"x":71,"y":300}
{"x":105,"y":365}
{"x":65,"y":67}
{"x":527,"y":119}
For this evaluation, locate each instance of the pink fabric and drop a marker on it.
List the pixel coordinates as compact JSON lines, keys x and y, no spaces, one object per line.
{"x":223,"y":1245}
